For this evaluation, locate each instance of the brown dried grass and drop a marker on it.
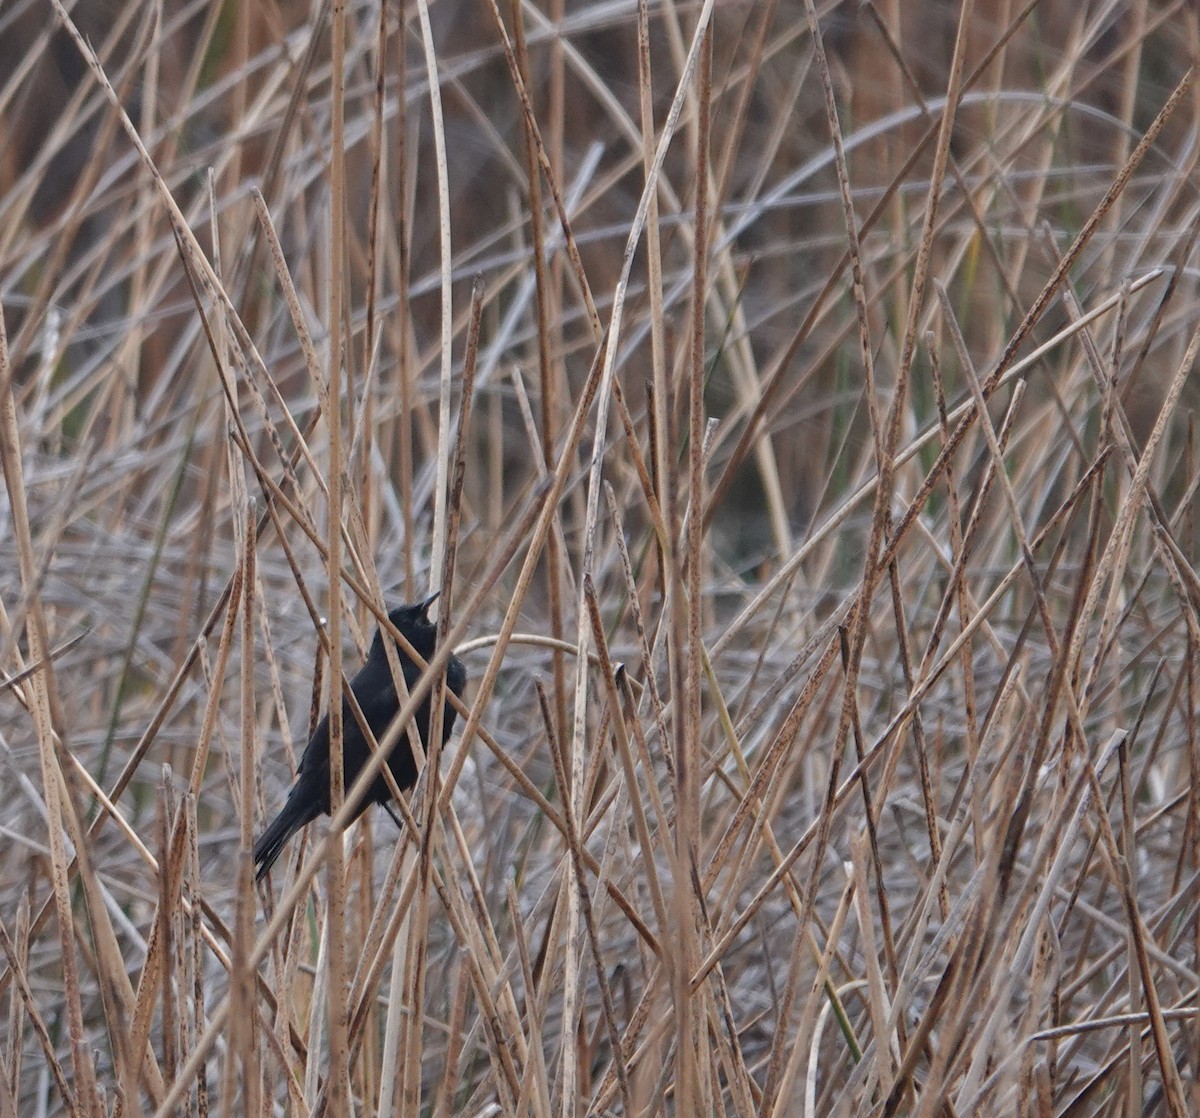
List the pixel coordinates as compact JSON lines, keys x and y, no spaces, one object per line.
{"x":830,"y":747}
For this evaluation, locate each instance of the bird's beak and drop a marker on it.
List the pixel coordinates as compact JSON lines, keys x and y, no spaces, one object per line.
{"x":424,"y":606}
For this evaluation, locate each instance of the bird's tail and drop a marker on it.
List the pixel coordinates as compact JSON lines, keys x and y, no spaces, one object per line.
{"x":298,"y":811}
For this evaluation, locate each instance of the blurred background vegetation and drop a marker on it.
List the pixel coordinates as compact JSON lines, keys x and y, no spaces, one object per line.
{"x":1000,"y":914}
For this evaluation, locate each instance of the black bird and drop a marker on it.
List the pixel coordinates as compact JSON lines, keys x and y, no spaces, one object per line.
{"x":376,"y":695}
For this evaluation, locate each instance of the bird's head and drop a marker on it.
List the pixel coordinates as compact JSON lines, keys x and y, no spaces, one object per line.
{"x":414,"y":616}
{"x":413,"y":621}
